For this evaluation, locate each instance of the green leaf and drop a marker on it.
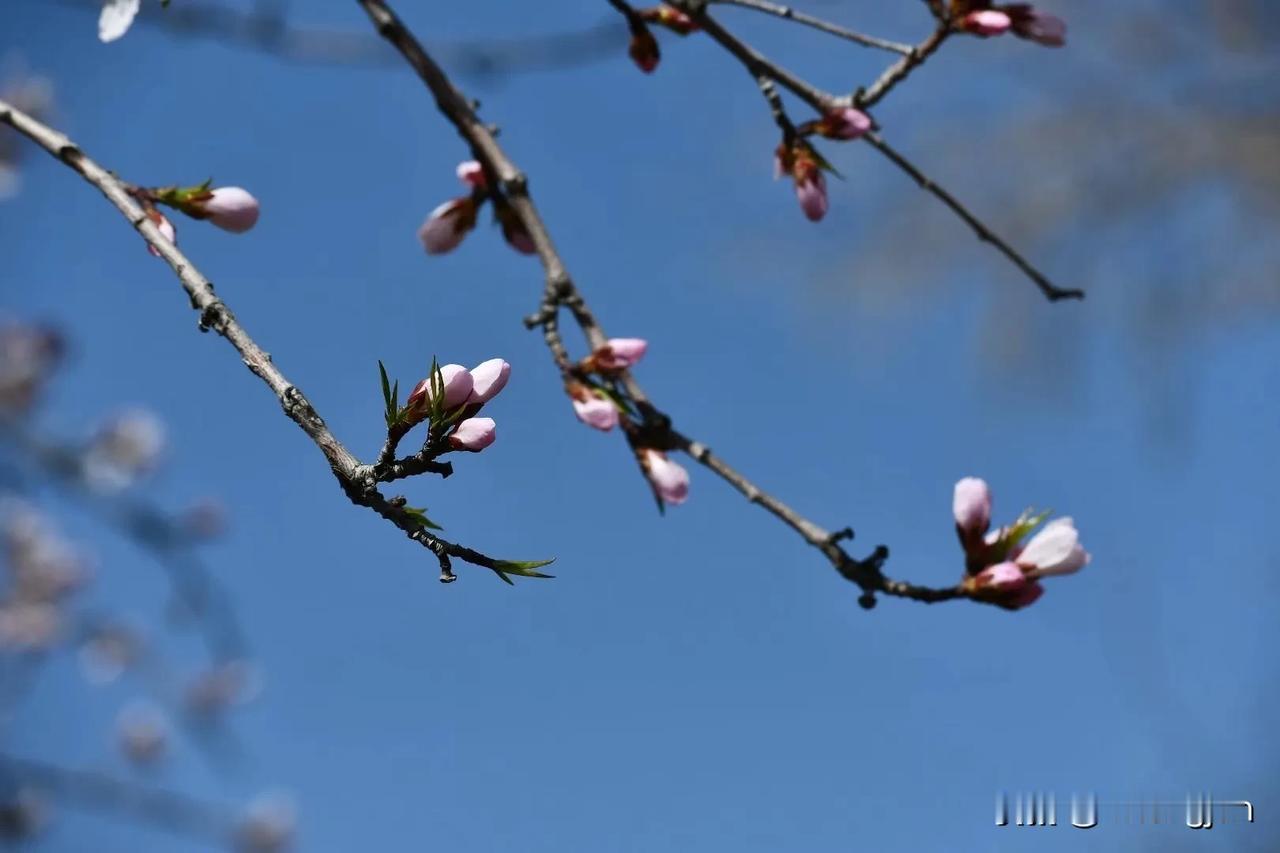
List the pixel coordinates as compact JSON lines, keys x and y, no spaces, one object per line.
{"x":420,"y":516}
{"x":523,"y":568}
{"x":390,"y":396}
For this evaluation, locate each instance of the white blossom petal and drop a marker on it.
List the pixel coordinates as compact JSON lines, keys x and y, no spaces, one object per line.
{"x":116,"y":18}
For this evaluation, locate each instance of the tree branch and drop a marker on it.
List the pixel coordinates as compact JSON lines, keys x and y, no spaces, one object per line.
{"x":357,"y":480}
{"x":560,"y":291}
{"x":799,"y":17}
{"x":823,"y":102}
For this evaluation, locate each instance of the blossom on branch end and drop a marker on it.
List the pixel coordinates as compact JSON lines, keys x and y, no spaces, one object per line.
{"x":670,"y":480}
{"x":1001,"y":569}
{"x":447,"y":225}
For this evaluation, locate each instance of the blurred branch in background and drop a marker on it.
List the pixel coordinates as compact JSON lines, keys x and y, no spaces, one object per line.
{"x":267,"y":28}
{"x":40,"y":615}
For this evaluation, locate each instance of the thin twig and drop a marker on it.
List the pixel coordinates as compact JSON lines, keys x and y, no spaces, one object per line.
{"x":1048,"y":288}
{"x":159,"y":807}
{"x":792,"y":14}
{"x":457,"y":110}
{"x":760,"y":66}
{"x":896,"y":73}
{"x":357,"y":480}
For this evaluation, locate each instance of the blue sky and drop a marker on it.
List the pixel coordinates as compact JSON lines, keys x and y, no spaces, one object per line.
{"x":699,"y":681}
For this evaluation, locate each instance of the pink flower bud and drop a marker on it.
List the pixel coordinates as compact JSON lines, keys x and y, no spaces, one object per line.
{"x":670,"y":481}
{"x":986,"y":22}
{"x":643,"y":48}
{"x":456,"y":381}
{"x":166,"y":229}
{"x":593,"y":409}
{"x":487,"y":379}
{"x":514,"y":232}
{"x":1055,"y":550}
{"x":847,"y":123}
{"x":971,"y":507}
{"x":230,"y":208}
{"x":1000,"y":578}
{"x":811,"y":190}
{"x":445,"y":226}
{"x":617,"y":354}
{"x":1023,"y":597}
{"x":471,"y":173}
{"x":1032,"y":24}
{"x":474,"y":434}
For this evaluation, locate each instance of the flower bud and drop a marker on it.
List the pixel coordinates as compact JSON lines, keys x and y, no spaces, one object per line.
{"x":474,"y":434}
{"x":230,"y":208}
{"x":593,"y":408}
{"x":811,"y":190}
{"x":1023,"y":597}
{"x":471,"y":173}
{"x":513,"y":230}
{"x":986,"y":22}
{"x":643,"y":48}
{"x":670,"y":481}
{"x":847,"y":123}
{"x":456,"y":383}
{"x":971,"y":507}
{"x":487,"y":379}
{"x":1055,"y":550}
{"x":166,"y":229}
{"x":1000,"y":578}
{"x":1040,"y":27}
{"x":617,"y":354}
{"x":445,"y":226}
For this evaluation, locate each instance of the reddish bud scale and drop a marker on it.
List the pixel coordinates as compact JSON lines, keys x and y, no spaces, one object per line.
{"x":643,"y":49}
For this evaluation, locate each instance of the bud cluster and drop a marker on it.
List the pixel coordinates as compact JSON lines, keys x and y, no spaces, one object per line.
{"x":449,"y":399}
{"x":1002,"y":569}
